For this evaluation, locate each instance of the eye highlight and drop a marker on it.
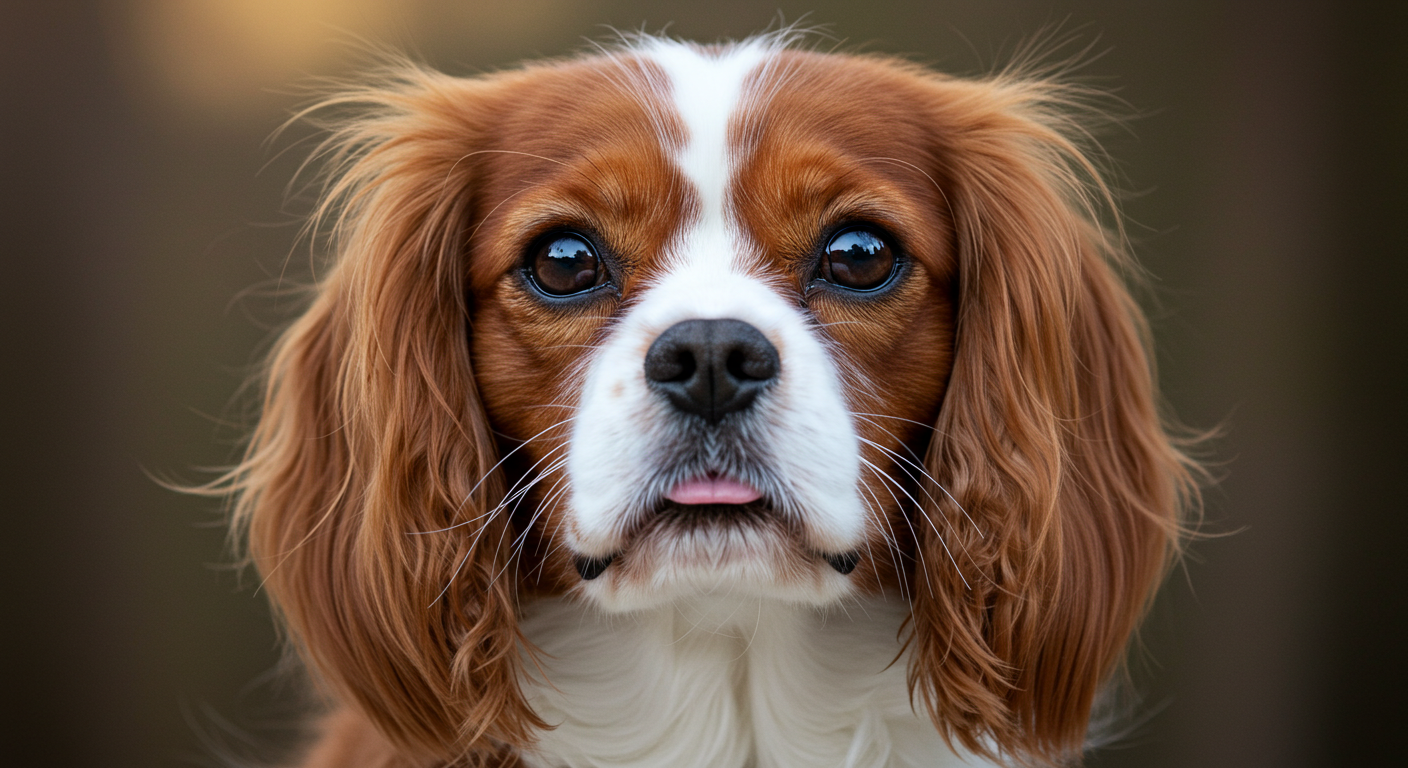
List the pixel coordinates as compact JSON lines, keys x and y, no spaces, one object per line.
{"x":858,"y":258}
{"x":565,"y":264}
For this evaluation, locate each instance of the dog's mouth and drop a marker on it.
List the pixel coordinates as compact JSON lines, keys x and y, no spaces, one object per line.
{"x":712,"y":507}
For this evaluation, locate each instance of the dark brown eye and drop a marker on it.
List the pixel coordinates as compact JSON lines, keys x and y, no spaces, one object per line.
{"x":566,"y":264}
{"x":859,"y":259}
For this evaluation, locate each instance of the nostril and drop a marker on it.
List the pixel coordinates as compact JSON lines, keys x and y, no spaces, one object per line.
{"x":736,"y":365}
{"x":687,"y":366}
{"x":752,"y":364}
{"x":666,"y":365}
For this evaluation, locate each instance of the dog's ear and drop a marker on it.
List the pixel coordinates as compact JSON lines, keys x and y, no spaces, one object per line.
{"x":369,"y":489}
{"x":1049,"y":437}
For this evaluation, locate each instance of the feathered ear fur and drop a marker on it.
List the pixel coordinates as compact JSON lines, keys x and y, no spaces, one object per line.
{"x":364,"y":491}
{"x":1049,"y":436}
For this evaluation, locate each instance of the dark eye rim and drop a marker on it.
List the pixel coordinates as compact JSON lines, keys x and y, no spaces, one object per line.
{"x":897,"y":270}
{"x":605,"y":282}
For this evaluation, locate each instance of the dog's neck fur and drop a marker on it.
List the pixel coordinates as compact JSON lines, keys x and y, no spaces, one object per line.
{"x":727,"y":683}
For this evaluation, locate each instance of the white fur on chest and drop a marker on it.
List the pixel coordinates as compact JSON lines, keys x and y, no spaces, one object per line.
{"x":726,"y":683}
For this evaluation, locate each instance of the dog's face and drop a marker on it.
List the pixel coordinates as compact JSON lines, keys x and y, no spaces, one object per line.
{"x":736,"y":288}
{"x":739,"y":320}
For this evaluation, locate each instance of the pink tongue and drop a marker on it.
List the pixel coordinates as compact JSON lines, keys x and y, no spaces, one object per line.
{"x":712,"y":490}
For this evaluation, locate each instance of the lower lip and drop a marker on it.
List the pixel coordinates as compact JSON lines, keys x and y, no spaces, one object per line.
{"x":713,"y":490}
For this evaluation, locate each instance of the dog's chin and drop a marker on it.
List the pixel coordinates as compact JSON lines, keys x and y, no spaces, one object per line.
{"x":686,"y":551}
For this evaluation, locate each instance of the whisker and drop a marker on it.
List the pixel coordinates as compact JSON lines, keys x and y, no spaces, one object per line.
{"x":522,"y":539}
{"x":470,"y":237}
{"x":856,"y":378}
{"x":923,"y":172}
{"x":885,"y":476}
{"x":929,"y":427}
{"x":892,"y":543}
{"x":517,"y":496}
{"x":458,"y":567}
{"x":558,"y":543}
{"x":922,"y":511}
{"x":551,"y":499}
{"x":919,"y":551}
{"x":506,"y":456}
{"x":490,"y":515}
{"x":898,"y":457}
{"x":925,"y":473}
{"x":918,"y":466}
{"x":506,"y":495}
{"x":513,"y":546}
{"x":838,"y":322}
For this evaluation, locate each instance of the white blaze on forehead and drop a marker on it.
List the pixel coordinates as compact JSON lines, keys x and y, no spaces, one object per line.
{"x":625,"y":436}
{"x":706,"y":91}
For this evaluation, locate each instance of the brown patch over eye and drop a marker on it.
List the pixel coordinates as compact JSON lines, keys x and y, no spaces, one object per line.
{"x":565,"y":264}
{"x":859,"y":258}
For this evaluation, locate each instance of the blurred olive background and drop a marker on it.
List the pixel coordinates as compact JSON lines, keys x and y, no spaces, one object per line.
{"x":139,"y":199}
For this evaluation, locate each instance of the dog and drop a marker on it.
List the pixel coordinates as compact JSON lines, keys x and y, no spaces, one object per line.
{"x":730,"y":405}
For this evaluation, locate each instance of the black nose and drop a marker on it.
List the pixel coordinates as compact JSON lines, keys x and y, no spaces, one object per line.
{"x":711,"y":368}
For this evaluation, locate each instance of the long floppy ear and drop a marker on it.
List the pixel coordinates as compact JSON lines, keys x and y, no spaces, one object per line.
{"x":367,"y":489}
{"x":1049,"y":436}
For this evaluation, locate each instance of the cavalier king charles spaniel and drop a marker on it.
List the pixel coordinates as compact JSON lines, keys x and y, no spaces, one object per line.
{"x":732,"y":405}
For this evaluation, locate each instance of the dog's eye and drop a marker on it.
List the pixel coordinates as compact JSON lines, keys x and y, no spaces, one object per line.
{"x":565,"y":264}
{"x":859,"y":259}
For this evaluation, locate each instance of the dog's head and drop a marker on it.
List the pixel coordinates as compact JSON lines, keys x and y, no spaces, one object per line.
{"x":746,"y":319}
